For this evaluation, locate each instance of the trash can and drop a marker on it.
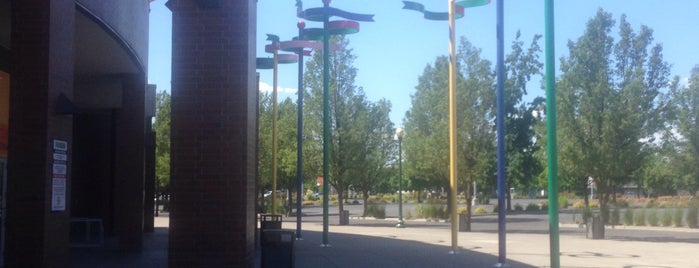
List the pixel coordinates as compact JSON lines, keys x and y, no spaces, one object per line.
{"x":277,"y":248}
{"x":597,"y":227}
{"x":270,"y":222}
{"x":344,"y":217}
{"x":462,"y":222}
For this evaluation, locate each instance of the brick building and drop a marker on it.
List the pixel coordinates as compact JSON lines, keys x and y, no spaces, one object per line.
{"x":73,"y":127}
{"x":75,"y":139}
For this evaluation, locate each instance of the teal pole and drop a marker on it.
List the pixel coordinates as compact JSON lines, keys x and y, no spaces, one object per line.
{"x":500,"y":125}
{"x":326,"y":123}
{"x":551,"y":136}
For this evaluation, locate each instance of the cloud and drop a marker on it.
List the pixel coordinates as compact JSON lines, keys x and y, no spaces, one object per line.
{"x":264,"y":87}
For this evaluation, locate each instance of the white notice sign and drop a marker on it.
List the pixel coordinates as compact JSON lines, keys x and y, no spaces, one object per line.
{"x":58,"y":194}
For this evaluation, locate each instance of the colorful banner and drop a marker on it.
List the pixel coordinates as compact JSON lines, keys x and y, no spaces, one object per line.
{"x":4,"y":112}
{"x":430,"y":15}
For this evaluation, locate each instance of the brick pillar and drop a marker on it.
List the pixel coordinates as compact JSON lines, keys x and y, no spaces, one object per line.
{"x":42,"y":61}
{"x":213,"y":133}
{"x":148,"y":202}
{"x":129,"y":164}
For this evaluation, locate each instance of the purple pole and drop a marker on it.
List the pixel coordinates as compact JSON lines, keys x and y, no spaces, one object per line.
{"x":299,"y":150}
{"x":500,"y":121}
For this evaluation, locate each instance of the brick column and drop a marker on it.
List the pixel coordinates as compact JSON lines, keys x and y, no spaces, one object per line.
{"x":148,"y":202}
{"x":129,"y":167}
{"x":42,"y":63}
{"x":213,"y":133}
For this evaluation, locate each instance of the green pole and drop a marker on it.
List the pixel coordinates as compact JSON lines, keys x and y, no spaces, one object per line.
{"x":551,"y":137}
{"x":326,"y":123}
{"x":452,"y":131}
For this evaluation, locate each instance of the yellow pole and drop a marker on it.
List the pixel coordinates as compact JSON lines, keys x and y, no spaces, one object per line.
{"x":452,"y":129}
{"x":274,"y":136}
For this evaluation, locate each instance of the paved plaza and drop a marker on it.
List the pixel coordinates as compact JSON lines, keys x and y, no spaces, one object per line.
{"x":377,"y":243}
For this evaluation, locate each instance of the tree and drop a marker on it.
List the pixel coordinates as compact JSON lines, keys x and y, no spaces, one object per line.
{"x":351,"y":116}
{"x":608,"y":103}
{"x":475,"y":115}
{"x":378,"y":148}
{"x":426,"y":143}
{"x":161,"y":126}
{"x":685,"y":121}
{"x":427,"y":138}
{"x":521,"y":148}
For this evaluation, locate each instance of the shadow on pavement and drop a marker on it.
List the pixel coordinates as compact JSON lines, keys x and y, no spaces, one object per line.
{"x":154,"y":253}
{"x":351,"y":250}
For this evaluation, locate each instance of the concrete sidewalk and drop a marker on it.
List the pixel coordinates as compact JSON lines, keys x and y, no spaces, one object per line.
{"x":377,"y":246}
{"x":377,"y":243}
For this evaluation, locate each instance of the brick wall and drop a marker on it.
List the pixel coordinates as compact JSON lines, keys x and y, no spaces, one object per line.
{"x":213,"y":133}
{"x":42,"y":69}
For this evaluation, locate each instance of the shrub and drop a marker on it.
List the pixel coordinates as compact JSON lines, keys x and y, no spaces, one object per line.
{"x":650,"y":203}
{"x":616,"y":213}
{"x":518,"y":207}
{"x":640,"y":218}
{"x":431,"y":211}
{"x":311,"y":196}
{"x":653,"y":217}
{"x":666,"y":220}
{"x":481,"y":210}
{"x":462,"y":210}
{"x":375,"y":211}
{"x":622,"y":202}
{"x":408,"y":215}
{"x":532,"y":207}
{"x":495,"y":208}
{"x":562,"y":202}
{"x":692,"y":217}
{"x":544,"y":205}
{"x":578,"y":204}
{"x":677,"y":218}
{"x":308,"y":203}
{"x":628,"y":217}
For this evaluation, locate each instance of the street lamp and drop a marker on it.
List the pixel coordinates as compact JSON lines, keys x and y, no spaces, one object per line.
{"x":399,"y":136}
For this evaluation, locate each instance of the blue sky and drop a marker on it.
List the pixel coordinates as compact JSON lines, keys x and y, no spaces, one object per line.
{"x":393,"y":51}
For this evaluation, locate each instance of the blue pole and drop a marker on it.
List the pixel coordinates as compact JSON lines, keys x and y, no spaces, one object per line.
{"x":500,"y":121}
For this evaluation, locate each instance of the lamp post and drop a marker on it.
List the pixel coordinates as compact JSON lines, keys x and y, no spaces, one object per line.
{"x":399,"y":136}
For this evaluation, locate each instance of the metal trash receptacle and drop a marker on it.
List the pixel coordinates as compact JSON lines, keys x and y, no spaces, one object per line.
{"x":597,"y":227}
{"x":270,"y":222}
{"x":344,"y":217}
{"x":278,"y":248}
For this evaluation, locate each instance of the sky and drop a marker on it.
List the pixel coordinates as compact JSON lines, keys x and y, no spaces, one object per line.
{"x":393,"y":51}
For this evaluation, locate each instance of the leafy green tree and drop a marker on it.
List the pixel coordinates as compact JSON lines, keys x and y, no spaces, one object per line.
{"x":609,"y":103}
{"x":378,"y":147}
{"x":521,"y":148}
{"x":352,"y":132}
{"x":264,"y":143}
{"x":685,"y":118}
{"x":475,"y":115}
{"x":426,"y":143}
{"x":161,"y":126}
